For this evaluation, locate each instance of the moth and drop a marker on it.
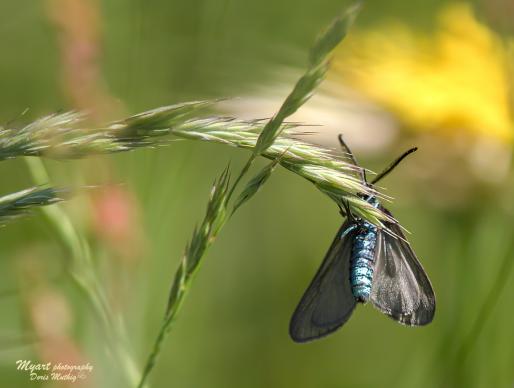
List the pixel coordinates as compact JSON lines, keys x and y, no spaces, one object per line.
{"x":365,"y":263}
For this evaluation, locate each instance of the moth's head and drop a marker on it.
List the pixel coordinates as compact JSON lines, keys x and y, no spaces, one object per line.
{"x":369,"y":198}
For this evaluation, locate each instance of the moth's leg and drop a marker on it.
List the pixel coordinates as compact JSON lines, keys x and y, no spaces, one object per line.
{"x":347,"y":211}
{"x":342,"y":211}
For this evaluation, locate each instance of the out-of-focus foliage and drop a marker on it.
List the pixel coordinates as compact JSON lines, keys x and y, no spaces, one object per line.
{"x":457,"y":78}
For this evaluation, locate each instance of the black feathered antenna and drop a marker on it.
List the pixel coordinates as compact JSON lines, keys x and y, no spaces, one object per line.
{"x":345,"y":147}
{"x":393,"y":165}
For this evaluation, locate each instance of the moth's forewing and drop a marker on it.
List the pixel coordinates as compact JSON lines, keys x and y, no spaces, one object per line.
{"x":401,"y":288}
{"x":328,"y":302}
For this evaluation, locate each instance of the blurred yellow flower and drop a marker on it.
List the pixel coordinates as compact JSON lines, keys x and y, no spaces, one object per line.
{"x":456,"y":79}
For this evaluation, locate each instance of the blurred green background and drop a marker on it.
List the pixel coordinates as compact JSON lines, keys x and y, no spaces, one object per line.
{"x":120,"y":57}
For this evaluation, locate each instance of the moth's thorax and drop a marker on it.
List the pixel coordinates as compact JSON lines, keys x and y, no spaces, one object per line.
{"x":362,"y":260}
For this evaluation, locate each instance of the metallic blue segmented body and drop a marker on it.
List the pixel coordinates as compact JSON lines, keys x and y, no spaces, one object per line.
{"x":362,"y":261}
{"x":363,"y":257}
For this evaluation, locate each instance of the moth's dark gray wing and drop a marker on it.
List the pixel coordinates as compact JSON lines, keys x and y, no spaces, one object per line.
{"x":328,"y":302}
{"x":400,"y":287}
